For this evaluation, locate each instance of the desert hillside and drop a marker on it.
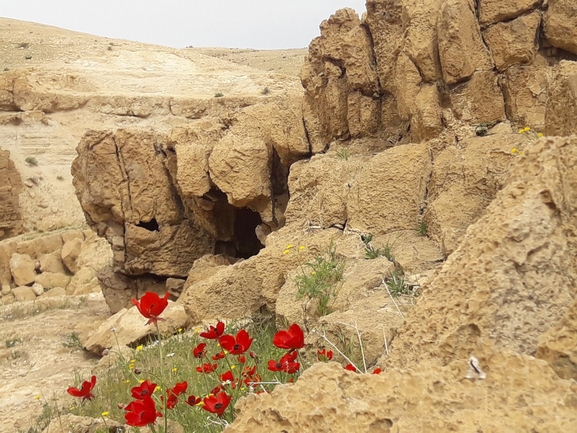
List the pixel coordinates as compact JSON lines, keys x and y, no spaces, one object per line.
{"x":408,"y":201}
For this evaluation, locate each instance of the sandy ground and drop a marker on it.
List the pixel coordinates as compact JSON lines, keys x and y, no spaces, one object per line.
{"x":39,"y":356}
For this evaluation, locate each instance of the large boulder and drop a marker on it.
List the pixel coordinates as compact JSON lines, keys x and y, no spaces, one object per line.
{"x":10,"y":186}
{"x":22,"y":268}
{"x":560,"y":25}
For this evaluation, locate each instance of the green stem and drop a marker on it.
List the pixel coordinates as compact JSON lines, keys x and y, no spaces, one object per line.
{"x":165,"y":399}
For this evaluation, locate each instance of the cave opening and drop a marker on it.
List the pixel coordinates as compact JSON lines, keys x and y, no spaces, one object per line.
{"x":245,"y":240}
{"x":151,"y":226}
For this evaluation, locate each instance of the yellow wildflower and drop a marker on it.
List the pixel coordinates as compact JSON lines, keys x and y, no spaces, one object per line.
{"x":301,"y":248}
{"x":139,"y":348}
{"x":127,"y":381}
{"x":526,"y":129}
{"x":131,"y":366}
{"x":521,"y":131}
{"x":285,"y":252}
{"x":37,"y":397}
{"x":200,"y":403}
{"x":179,"y":330}
{"x":289,"y":246}
{"x":132,"y":361}
{"x":105,"y":413}
{"x":174,"y":370}
{"x":141,"y":380}
{"x":313,"y":273}
{"x":514,"y":150}
{"x":197,"y":331}
{"x":72,"y":407}
{"x":539,"y":134}
{"x":157,"y":388}
{"x":232,"y":367}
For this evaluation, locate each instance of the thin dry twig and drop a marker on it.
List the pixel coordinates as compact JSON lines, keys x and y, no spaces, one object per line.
{"x":356,"y":328}
{"x":323,"y":335}
{"x":386,"y":344}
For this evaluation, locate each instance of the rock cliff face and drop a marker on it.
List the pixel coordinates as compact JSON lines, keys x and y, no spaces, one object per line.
{"x":409,"y":69}
{"x":10,"y":186}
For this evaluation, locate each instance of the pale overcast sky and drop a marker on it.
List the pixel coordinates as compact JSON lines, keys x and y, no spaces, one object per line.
{"x":260,"y":24}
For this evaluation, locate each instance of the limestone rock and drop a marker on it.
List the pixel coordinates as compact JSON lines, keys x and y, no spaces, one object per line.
{"x":40,"y":246}
{"x":513,"y":43}
{"x":52,"y":262}
{"x":562,"y":101}
{"x":461,"y":47}
{"x":479,"y":100}
{"x":68,"y":423}
{"x":22,"y":268}
{"x":83,"y":282}
{"x":558,"y":345}
{"x":69,"y":254}
{"x":329,"y":398}
{"x":127,"y":327}
{"x":394,"y":202}
{"x":38,"y":289}
{"x":6,"y":289}
{"x":510,"y":279}
{"x":464,"y":181}
{"x":10,"y":186}
{"x":492,"y":11}
{"x":560,"y":25}
{"x":407,"y":83}
{"x":525,"y":89}
{"x":23,"y":293}
{"x":426,"y":116}
{"x":56,"y":291}
{"x":50,"y":280}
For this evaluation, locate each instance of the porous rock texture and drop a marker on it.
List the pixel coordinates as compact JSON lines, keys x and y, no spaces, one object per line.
{"x":10,"y":186}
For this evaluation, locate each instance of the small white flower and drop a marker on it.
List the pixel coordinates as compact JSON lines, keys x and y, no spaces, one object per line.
{"x":170,"y":355}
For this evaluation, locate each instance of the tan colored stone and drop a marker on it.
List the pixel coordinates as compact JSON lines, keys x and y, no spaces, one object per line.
{"x":52,"y":262}
{"x":38,"y":289}
{"x":50,"y":280}
{"x":362,"y":114}
{"x":492,"y":11}
{"x":83,"y":282}
{"x":69,"y":254}
{"x":68,"y":423}
{"x":328,"y":398}
{"x":55,"y":291}
{"x":69,"y":235}
{"x":560,"y":25}
{"x":7,"y":248}
{"x":23,"y":293}
{"x":129,"y":326}
{"x":479,"y":100}
{"x":394,"y":202}
{"x":509,"y":280}
{"x":408,"y":82}
{"x":426,"y":116}
{"x":513,"y":43}
{"x":39,"y":246}
{"x":22,"y":268}
{"x":525,"y":89}
{"x":10,"y":187}
{"x":562,"y":101}
{"x":461,"y":47}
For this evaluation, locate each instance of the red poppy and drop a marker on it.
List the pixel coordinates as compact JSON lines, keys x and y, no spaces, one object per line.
{"x":217,"y":356}
{"x":228,"y":378}
{"x":145,"y":389}
{"x":286,"y":364}
{"x":193,"y":401}
{"x":173,"y":394}
{"x":324,"y":355}
{"x":151,"y":306}
{"x":350,"y":367}
{"x":180,"y":388}
{"x":249,"y":371}
{"x":238,"y":345}
{"x":213,"y":332}
{"x":206,"y":368}
{"x":85,"y":389}
{"x":217,"y":404}
{"x":140,"y":413}
{"x":291,"y":339}
{"x":215,"y":390}
{"x":377,"y":371}
{"x":199,"y":351}
{"x":241,"y":359}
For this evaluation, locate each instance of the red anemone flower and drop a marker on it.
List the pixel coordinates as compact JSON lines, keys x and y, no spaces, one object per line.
{"x":238,"y":345}
{"x":213,"y":332}
{"x":151,"y":306}
{"x":217,"y":356}
{"x":193,"y":401}
{"x":173,"y":394}
{"x":85,"y":389}
{"x":228,"y":378}
{"x":206,"y":368}
{"x":377,"y":371}
{"x":324,"y":355}
{"x":217,"y":404}
{"x":291,"y":339}
{"x":140,"y":413}
{"x":286,"y":363}
{"x":145,"y":389}
{"x":350,"y":367}
{"x":241,"y":359}
{"x":199,"y":351}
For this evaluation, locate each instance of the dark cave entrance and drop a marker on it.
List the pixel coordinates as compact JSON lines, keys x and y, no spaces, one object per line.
{"x":151,"y":226}
{"x":245,"y":240}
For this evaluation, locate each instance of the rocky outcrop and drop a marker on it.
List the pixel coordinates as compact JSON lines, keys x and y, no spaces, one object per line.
{"x":10,"y":186}
{"x":512,"y":278}
{"x":434,"y":61}
{"x":328,"y":398}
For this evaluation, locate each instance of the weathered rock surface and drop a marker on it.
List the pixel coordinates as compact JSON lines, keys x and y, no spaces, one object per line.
{"x":330,"y":399}
{"x":22,"y":268}
{"x":560,"y":25}
{"x":10,"y":186}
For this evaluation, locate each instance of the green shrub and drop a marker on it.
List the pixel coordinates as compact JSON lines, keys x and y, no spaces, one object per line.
{"x":218,"y":95}
{"x":31,"y":161}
